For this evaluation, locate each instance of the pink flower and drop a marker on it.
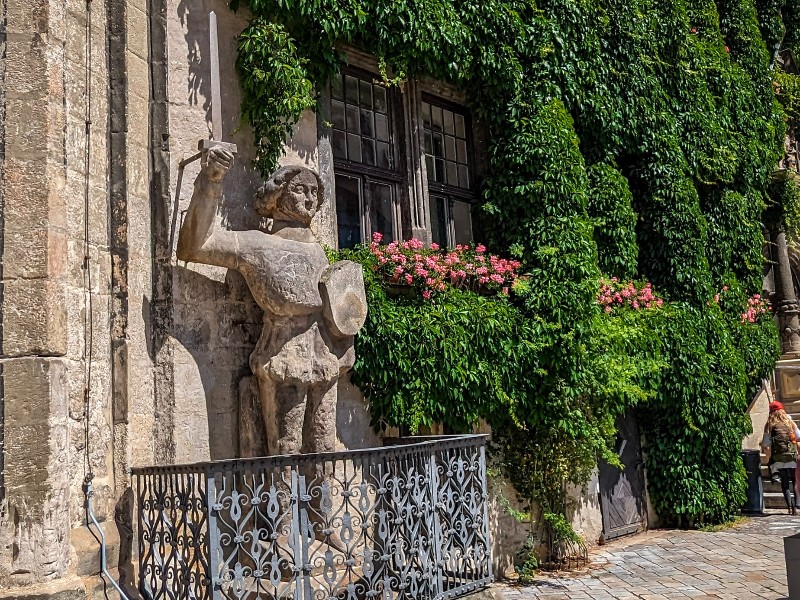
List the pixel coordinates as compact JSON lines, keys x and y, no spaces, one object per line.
{"x":409,"y":279}
{"x":505,"y":291}
{"x":694,"y":29}
{"x":727,"y":49}
{"x":725,"y":288}
{"x":480,"y":248}
{"x":659,"y":302}
{"x":426,"y":294}
{"x":434,"y":246}
{"x":377,"y":237}
{"x":607,"y":309}
{"x":398,"y":270}
{"x":716,"y":298}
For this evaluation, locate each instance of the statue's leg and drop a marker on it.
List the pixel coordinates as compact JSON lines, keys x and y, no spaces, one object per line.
{"x":319,"y":433}
{"x":283,"y":407}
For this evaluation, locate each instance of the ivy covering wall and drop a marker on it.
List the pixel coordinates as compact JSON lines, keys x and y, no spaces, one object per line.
{"x":628,"y":138}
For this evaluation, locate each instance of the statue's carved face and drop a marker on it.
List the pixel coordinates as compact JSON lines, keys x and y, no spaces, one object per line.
{"x":299,"y":201}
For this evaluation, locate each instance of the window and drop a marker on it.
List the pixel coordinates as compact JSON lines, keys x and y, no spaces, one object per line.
{"x":448,"y":161}
{"x":370,"y":160}
{"x":365,"y":159}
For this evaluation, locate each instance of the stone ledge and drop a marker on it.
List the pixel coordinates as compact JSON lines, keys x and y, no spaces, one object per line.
{"x":87,"y":548}
{"x":58,"y":589}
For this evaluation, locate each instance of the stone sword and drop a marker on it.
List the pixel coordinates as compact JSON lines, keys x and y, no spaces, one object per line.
{"x":216,"y":124}
{"x":216,"y":94}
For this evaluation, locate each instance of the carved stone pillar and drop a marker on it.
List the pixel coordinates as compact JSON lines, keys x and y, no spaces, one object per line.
{"x":417,"y":173}
{"x":786,"y":299}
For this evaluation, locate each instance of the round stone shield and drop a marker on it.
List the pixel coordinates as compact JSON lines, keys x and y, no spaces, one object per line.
{"x":343,"y":297}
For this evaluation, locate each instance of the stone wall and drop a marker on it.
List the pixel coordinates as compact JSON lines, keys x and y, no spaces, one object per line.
{"x":65,"y":149}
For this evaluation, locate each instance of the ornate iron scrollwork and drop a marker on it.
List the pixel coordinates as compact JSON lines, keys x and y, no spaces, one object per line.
{"x":407,"y":521}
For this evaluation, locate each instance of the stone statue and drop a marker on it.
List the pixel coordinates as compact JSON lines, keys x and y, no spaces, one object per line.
{"x":312,"y":309}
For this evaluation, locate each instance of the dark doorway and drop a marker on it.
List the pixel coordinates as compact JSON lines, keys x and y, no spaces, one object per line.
{"x":622,"y":491}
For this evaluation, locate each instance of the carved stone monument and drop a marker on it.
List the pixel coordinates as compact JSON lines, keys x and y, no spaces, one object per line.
{"x":312,"y":309}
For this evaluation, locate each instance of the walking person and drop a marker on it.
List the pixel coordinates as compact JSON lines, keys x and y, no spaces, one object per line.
{"x":780,"y":437}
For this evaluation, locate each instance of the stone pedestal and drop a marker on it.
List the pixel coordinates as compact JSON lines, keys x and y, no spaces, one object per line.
{"x":787,"y":379}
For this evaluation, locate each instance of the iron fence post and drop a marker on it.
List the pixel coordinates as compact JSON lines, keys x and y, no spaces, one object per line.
{"x":485,"y":496}
{"x":437,"y":537}
{"x":212,"y":539}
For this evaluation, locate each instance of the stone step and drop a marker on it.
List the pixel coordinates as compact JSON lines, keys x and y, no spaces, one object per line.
{"x":774,"y":500}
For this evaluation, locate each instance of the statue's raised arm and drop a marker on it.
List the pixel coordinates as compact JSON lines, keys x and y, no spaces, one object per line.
{"x":199,"y":239}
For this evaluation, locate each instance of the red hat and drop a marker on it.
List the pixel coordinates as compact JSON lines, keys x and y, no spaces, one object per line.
{"x":775,"y":406}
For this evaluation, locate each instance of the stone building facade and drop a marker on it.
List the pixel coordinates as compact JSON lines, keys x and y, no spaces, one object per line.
{"x":114,"y":354}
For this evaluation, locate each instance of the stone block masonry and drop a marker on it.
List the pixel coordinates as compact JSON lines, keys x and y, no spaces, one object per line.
{"x":73,"y":183}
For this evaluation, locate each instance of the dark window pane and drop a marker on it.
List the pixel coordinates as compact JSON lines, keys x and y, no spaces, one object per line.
{"x":438,"y":144}
{"x":366,"y":94}
{"x":351,"y":89}
{"x":336,"y":87}
{"x":337,"y":114}
{"x":452,"y":173}
{"x":440,"y":171}
{"x":367,"y":127}
{"x":448,"y":122}
{"x":348,"y":211}
{"x":339,"y":144}
{"x":430,"y":168}
{"x":384,"y":158}
{"x":461,"y":151}
{"x":461,"y":130}
{"x":368,"y":152}
{"x":382,"y":127}
{"x":450,"y":148}
{"x":381,"y":212}
{"x":462,"y":222}
{"x":353,"y":147}
{"x":353,"y":120}
{"x":380,"y":98}
{"x":428,"y":143}
{"x":436,"y":118}
{"x":426,"y":115}
{"x":463,"y":177}
{"x":438,"y":221}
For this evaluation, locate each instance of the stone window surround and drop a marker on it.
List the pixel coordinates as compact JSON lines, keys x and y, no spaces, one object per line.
{"x":414,"y":209}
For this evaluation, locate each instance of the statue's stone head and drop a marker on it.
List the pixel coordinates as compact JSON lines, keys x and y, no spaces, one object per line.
{"x":293,"y":193}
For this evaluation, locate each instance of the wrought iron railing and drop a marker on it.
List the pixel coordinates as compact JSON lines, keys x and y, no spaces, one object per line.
{"x":401,"y":522}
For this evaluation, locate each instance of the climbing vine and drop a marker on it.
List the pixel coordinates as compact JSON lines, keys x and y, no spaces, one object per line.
{"x":628,"y":138}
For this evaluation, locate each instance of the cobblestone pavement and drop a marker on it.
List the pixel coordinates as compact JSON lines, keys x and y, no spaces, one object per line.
{"x":744,"y":563}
